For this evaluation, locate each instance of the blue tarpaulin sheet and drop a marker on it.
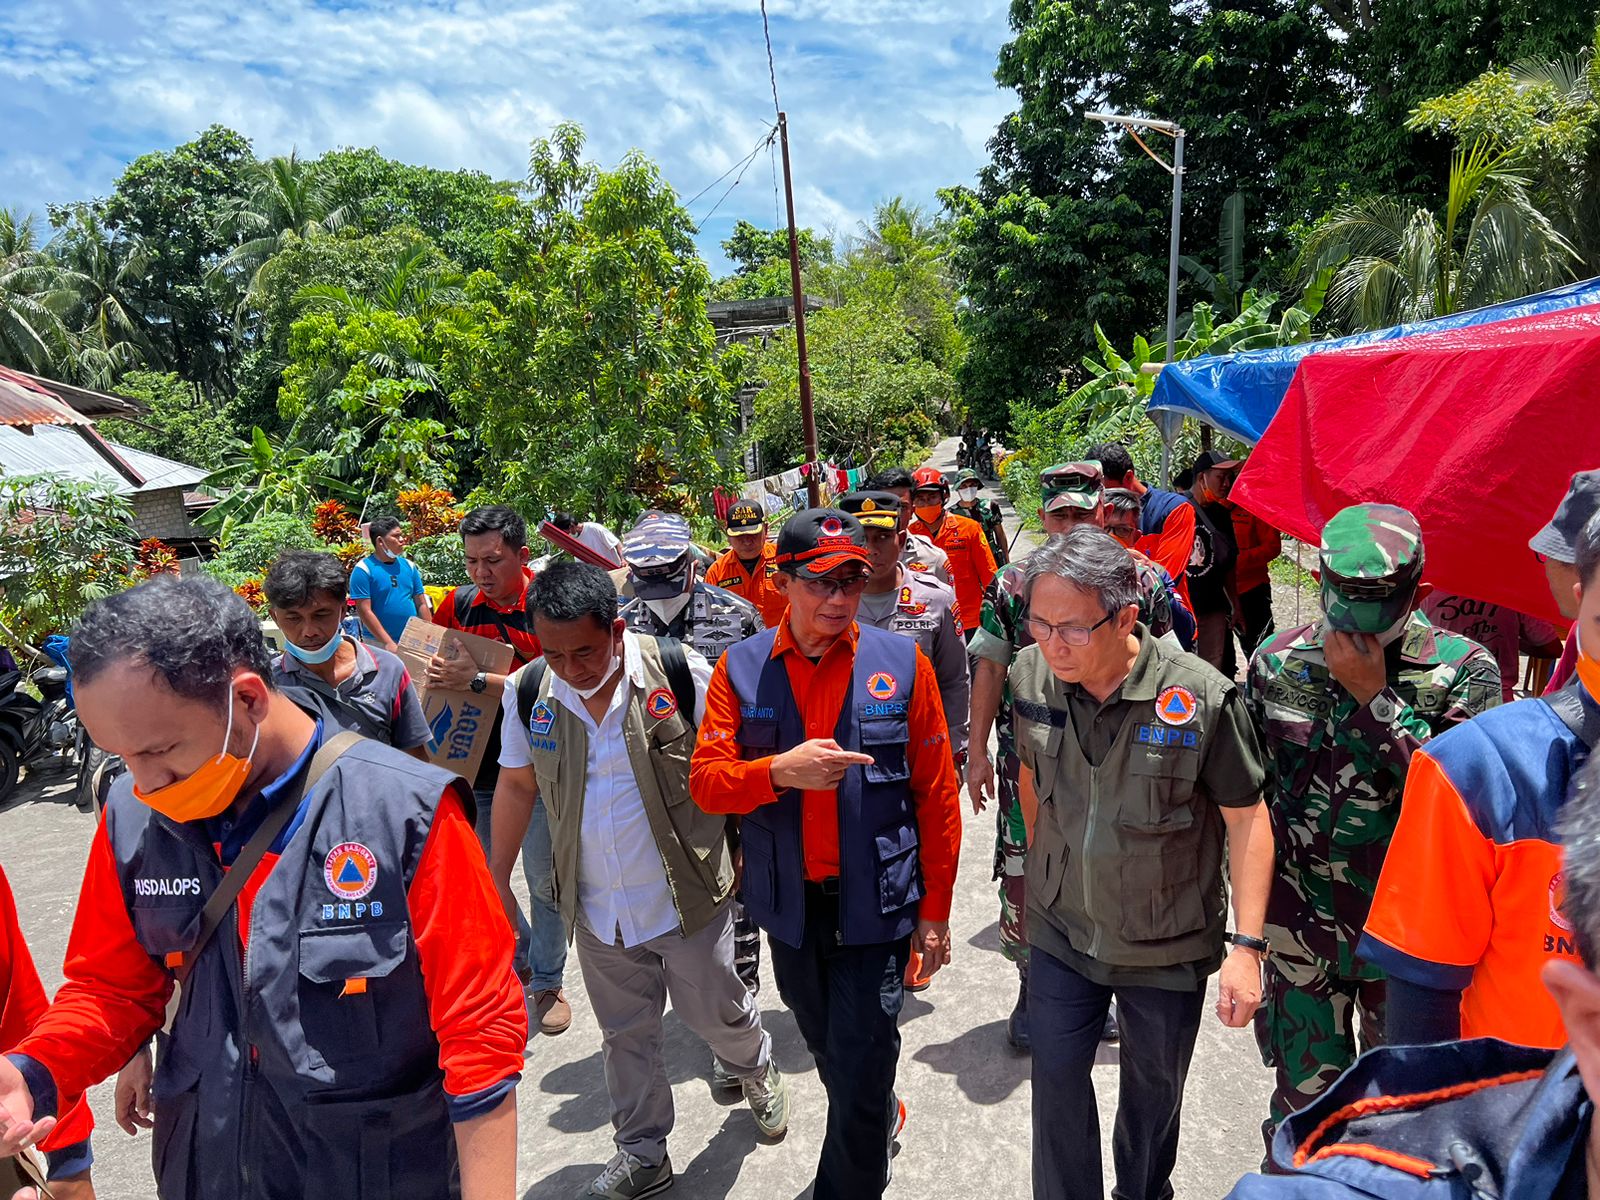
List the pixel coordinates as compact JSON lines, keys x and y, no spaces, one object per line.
{"x":1240,"y":393}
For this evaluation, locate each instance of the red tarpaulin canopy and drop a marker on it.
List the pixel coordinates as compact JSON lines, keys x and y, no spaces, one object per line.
{"x":1477,"y":431}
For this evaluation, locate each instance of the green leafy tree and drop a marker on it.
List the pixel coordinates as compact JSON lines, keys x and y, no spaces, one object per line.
{"x":875,"y":395}
{"x":33,"y":336}
{"x":1399,"y":262}
{"x":96,"y":275}
{"x":64,"y":544}
{"x":458,"y":211}
{"x":175,"y":423}
{"x":286,"y":197}
{"x":1545,"y":114}
{"x":269,"y":474}
{"x":1297,"y":104}
{"x":176,"y":204}
{"x":589,"y":365}
{"x":760,"y":260}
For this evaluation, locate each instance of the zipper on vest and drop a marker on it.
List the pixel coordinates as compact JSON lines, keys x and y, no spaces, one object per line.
{"x":1088,"y":836}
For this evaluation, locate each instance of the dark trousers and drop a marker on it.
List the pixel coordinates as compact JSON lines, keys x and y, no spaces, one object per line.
{"x":1158,"y":1031}
{"x":846,"y":1000}
{"x":1256,"y":608}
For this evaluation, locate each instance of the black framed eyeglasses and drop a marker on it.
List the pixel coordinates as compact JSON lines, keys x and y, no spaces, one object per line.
{"x":1072,"y":635}
{"x":827,"y":586}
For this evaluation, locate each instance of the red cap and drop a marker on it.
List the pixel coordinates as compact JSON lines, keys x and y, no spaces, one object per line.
{"x":928,"y":477}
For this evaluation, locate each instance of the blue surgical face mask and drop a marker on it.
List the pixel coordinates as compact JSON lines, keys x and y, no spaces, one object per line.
{"x":321,"y":654}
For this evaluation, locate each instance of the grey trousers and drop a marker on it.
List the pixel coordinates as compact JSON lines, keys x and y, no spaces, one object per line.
{"x":628,"y":990}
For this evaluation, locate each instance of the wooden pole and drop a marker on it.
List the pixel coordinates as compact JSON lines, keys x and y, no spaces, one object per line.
{"x":808,"y":422}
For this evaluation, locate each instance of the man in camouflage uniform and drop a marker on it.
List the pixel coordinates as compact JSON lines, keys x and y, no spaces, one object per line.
{"x":985,"y":512}
{"x":669,"y":600}
{"x":1072,"y":495}
{"x":1341,"y":704}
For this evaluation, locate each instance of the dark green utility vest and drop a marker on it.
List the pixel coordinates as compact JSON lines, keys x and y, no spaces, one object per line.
{"x":1126,"y":858}
{"x":693,"y":843}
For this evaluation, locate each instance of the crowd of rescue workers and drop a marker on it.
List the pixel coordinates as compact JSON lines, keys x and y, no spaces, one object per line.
{"x":299,"y":950}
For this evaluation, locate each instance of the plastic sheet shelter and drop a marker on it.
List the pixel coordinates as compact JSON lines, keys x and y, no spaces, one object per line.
{"x":1240,"y":393}
{"x":1477,"y":431}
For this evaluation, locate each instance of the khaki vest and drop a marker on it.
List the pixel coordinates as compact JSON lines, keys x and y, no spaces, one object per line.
{"x":1126,"y":859}
{"x":693,"y":843}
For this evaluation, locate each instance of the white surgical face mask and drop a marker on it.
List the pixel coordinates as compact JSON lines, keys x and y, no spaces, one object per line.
{"x":968,"y":494}
{"x":591,"y":693}
{"x":669,"y":609}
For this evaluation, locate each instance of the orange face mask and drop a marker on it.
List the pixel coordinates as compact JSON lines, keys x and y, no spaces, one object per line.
{"x":211,"y":788}
{"x":930,"y":513}
{"x":1589,"y":673}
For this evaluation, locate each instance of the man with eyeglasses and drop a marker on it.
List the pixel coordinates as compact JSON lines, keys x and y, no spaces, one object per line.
{"x":1137,"y":758}
{"x":1071,"y":496}
{"x":1342,"y":704}
{"x":829,"y":738}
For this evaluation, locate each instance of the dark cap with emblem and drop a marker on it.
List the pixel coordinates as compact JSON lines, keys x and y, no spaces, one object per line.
{"x":817,"y":540}
{"x":876,"y":510}
{"x":1071,"y":485}
{"x":1559,"y":539}
{"x":1371,"y":565}
{"x":1211,"y":460}
{"x":746,"y":517}
{"x":657,"y":551}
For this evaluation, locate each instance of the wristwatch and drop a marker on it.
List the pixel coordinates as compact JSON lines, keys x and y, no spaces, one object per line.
{"x":479,"y":682}
{"x":1260,"y":945}
{"x":1382,"y":708}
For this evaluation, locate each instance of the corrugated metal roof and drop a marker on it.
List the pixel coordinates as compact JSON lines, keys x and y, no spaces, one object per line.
{"x":50,"y":448}
{"x":24,"y":401}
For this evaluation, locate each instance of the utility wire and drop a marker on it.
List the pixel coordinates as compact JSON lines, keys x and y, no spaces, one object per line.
{"x":772,"y":71}
{"x":766,"y":140}
{"x":746,"y":166}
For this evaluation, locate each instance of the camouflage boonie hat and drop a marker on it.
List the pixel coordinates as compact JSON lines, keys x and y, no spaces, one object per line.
{"x":1371,"y":564}
{"x":1071,"y":485}
{"x":968,"y":475}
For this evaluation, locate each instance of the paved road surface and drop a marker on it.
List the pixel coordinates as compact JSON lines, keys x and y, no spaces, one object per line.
{"x":968,"y":1096}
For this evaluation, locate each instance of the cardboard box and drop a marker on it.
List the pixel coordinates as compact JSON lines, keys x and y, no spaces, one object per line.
{"x":461,"y":723}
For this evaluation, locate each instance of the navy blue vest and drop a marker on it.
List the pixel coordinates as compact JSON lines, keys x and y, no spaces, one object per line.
{"x":1158,"y":506}
{"x":880,"y":878}
{"x":275,"y":1084}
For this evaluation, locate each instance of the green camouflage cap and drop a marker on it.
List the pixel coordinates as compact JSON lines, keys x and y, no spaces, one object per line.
{"x":1071,"y":485}
{"x":1371,"y":564}
{"x":968,"y":476}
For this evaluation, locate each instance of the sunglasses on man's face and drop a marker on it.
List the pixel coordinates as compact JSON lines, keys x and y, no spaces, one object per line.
{"x":829,"y":586}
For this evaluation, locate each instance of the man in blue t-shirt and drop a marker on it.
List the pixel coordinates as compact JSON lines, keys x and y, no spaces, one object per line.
{"x":386,"y":587}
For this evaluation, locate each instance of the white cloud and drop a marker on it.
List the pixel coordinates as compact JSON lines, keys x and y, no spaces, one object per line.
{"x":885,"y":97}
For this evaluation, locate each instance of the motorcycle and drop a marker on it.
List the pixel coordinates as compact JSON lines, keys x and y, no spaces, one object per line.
{"x":46,"y":733}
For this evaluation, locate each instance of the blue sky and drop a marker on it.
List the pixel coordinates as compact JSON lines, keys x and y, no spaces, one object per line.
{"x":885,"y":97}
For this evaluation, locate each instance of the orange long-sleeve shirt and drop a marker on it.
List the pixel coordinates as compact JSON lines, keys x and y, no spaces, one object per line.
{"x":1259,"y":543}
{"x":22,"y":1003}
{"x":721,"y":782}
{"x":972,"y":563}
{"x":755,"y":586}
{"x":116,"y":993}
{"x":1173,"y":546}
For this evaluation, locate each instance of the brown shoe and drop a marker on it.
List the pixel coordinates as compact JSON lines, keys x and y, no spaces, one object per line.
{"x":553,"y":1011}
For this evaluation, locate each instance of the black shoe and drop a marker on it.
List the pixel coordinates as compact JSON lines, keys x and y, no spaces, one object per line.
{"x":1017,"y":1031}
{"x":1111,"y":1032}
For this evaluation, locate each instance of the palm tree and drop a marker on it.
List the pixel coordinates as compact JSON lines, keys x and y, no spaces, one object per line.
{"x":288,"y":197}
{"x":109,"y":335}
{"x":32,"y":333}
{"x":1394,"y":262}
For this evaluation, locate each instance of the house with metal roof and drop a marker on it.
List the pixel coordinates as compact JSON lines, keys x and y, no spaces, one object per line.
{"x":45,"y":428}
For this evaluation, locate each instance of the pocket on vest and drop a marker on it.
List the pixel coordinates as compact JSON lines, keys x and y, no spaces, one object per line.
{"x":760,"y":882}
{"x":341,"y":1027}
{"x":1161,"y":895}
{"x":1165,"y":804}
{"x":757,"y":739}
{"x":899,"y":879}
{"x":886,"y":741}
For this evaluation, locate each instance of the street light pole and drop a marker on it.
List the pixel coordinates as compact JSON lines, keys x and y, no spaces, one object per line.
{"x":1168,"y":422}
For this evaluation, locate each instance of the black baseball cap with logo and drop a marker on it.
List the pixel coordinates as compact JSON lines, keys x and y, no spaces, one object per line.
{"x":816,"y":541}
{"x":746,"y":517}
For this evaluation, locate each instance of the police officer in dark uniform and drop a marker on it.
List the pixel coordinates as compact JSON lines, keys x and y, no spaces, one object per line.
{"x":830,"y":739}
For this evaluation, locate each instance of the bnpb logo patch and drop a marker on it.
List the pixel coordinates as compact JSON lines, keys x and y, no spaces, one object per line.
{"x":661,"y":704}
{"x":882,"y":686}
{"x":1176,"y":705}
{"x":831,"y":526}
{"x":541,"y":719}
{"x":1558,"y":900}
{"x":350,"y":871}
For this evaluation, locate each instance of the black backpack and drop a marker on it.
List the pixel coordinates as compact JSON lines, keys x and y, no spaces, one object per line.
{"x":673,"y":659}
